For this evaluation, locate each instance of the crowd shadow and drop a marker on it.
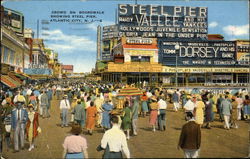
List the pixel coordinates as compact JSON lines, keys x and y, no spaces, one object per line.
{"x":176,"y":128}
{"x":146,"y":129}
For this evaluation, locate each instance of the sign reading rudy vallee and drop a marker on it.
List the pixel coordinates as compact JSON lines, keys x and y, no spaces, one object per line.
{"x":163,"y":21}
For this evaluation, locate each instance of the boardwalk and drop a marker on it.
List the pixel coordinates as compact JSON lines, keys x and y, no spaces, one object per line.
{"x":216,"y":142}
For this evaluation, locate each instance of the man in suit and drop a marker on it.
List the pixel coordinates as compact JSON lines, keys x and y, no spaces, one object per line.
{"x":190,"y":138}
{"x":44,"y":103}
{"x":19,"y":117}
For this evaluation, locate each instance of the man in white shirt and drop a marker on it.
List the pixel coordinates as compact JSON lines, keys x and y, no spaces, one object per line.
{"x":64,"y":107}
{"x":114,"y":141}
{"x":190,"y":105}
{"x":162,"y":106}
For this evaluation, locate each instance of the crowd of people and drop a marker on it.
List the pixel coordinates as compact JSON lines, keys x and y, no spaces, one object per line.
{"x":87,"y":105}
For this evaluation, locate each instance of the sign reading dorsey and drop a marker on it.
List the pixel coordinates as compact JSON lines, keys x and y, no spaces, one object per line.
{"x":163,"y":21}
{"x":199,"y":53}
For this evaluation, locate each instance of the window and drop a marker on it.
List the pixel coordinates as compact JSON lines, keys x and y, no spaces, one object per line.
{"x":12,"y":55}
{"x":6,"y":55}
{"x":192,"y":79}
{"x":143,"y":59}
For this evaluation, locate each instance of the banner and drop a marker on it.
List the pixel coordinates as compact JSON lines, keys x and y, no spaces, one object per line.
{"x":37,"y":71}
{"x":200,"y":53}
{"x":162,"y":21}
{"x":204,"y":70}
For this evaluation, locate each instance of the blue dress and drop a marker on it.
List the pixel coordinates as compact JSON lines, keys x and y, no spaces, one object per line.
{"x":105,"y":115}
{"x":144,"y":106}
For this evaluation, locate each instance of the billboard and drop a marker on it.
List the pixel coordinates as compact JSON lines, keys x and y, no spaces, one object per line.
{"x":110,"y":32}
{"x":162,"y":21}
{"x":14,"y":19}
{"x":243,"y":53}
{"x":200,"y":53}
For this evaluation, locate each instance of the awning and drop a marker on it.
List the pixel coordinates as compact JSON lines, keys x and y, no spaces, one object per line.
{"x":130,"y":91}
{"x":21,"y":75}
{"x":8,"y":81}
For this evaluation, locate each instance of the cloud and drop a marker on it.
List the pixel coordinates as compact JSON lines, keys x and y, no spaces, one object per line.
{"x":66,"y":44}
{"x":242,"y":30}
{"x":213,"y":25}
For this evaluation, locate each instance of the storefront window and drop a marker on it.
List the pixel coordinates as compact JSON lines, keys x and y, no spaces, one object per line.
{"x":200,"y":80}
{"x":143,"y":59}
{"x":242,"y":78}
{"x":191,"y":79}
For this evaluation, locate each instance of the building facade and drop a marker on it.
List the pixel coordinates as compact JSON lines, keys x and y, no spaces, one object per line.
{"x":169,"y":45}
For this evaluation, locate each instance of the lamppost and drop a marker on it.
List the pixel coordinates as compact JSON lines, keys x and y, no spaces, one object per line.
{"x":177,"y":47}
{"x":139,"y":57}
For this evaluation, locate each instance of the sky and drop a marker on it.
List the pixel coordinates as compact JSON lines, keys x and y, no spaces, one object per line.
{"x":76,"y":43}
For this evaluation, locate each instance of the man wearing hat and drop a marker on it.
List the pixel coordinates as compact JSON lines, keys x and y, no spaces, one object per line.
{"x":64,"y":107}
{"x":190,"y":137}
{"x":19,"y":117}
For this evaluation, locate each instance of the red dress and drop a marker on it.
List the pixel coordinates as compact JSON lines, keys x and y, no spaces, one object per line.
{"x":91,"y":117}
{"x":35,"y":125}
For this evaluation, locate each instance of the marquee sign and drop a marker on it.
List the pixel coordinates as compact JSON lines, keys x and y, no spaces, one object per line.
{"x":110,"y":32}
{"x":207,"y":53}
{"x":162,"y":21}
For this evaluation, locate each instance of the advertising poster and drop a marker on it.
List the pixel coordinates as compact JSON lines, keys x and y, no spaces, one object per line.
{"x":89,"y":51}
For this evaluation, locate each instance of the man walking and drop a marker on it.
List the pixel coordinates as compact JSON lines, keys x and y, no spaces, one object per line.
{"x":114,"y":141}
{"x":49,"y":94}
{"x":176,"y":101}
{"x":44,"y":104}
{"x":64,"y":107}
{"x":226,"y":111}
{"x":162,"y":106}
{"x":135,"y":112}
{"x":19,"y":117}
{"x":190,"y":138}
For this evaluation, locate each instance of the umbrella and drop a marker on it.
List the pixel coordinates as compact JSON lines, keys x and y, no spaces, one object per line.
{"x":129,"y":91}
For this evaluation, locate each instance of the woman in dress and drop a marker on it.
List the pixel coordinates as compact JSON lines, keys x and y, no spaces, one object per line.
{"x":32,"y":126}
{"x":91,"y":117}
{"x":246,"y":106}
{"x":153,"y":112}
{"x":144,"y":100}
{"x":107,"y":107}
{"x":126,"y":121}
{"x":75,"y":145}
{"x":199,"y":111}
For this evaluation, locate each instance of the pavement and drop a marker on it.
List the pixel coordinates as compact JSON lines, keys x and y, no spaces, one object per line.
{"x":216,"y":142}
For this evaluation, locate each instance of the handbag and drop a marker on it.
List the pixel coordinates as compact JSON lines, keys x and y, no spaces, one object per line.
{"x":39,"y":130}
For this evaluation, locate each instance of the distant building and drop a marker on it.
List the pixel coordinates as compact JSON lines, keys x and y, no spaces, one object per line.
{"x":142,"y":47}
{"x":28,"y":33}
{"x":67,"y":68}
{"x":39,"y":57}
